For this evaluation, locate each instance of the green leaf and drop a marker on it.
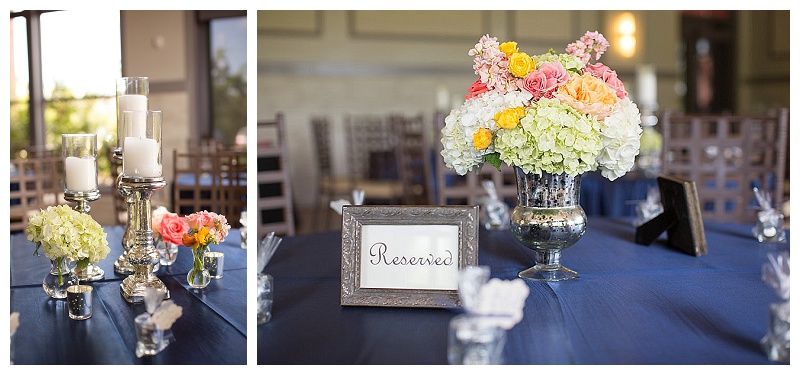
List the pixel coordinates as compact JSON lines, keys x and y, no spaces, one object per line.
{"x":83,"y":263}
{"x":493,"y":159}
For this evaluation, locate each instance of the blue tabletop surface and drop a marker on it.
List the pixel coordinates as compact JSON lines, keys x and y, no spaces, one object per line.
{"x":631,"y":304}
{"x":212,"y":329}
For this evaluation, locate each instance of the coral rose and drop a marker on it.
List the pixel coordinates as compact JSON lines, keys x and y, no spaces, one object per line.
{"x":172,"y":228}
{"x":476,"y":89}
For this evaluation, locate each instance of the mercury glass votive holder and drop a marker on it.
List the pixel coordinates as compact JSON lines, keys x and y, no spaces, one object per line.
{"x":214,"y":262}
{"x":79,"y":302}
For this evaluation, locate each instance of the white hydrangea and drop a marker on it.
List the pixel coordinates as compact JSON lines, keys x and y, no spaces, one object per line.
{"x":620,"y":135}
{"x":459,"y":151}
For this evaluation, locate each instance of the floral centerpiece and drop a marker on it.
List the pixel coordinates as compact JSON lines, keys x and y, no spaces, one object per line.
{"x":205,"y":228}
{"x":552,"y":117}
{"x":554,"y":113}
{"x":67,"y":235}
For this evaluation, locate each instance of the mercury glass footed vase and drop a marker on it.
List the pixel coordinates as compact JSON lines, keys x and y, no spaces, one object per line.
{"x":548,"y":218}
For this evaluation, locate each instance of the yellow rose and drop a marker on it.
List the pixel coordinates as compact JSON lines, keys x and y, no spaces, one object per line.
{"x":589,"y":95}
{"x":509,"y":118}
{"x":520,"y":64}
{"x":482,"y":139}
{"x":509,"y":48}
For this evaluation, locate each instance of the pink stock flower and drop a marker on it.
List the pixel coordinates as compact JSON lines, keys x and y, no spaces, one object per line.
{"x":216,"y":224}
{"x":608,"y":76}
{"x":590,"y":43}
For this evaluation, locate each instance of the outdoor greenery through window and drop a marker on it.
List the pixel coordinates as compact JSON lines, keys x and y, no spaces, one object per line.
{"x":77,"y":79}
{"x":228,"y":49}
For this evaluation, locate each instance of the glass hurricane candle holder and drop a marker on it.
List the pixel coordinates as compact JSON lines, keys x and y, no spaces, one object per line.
{"x":80,"y":162}
{"x":79,"y":152}
{"x":132,"y":95}
{"x":141,"y":145}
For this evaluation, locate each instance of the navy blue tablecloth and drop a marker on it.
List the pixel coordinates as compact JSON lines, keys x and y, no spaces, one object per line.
{"x":212,"y":329}
{"x":631,"y":304}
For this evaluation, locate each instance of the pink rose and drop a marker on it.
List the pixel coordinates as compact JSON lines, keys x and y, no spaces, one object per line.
{"x":554,"y":72}
{"x":200,"y":219}
{"x":544,"y":81}
{"x":537,"y":84}
{"x":608,"y":76}
{"x":173,"y":227}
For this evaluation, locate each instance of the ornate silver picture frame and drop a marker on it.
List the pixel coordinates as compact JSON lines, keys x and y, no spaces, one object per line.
{"x":406,"y":256}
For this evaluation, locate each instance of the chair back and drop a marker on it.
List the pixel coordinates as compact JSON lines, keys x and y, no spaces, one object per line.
{"x":212,"y":180}
{"x":275,"y":204}
{"x":727,"y":156}
{"x":36,"y":183}
{"x":414,"y":158}
{"x":451,"y":188}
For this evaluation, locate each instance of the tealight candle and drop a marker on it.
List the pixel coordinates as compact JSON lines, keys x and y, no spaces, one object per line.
{"x":81,"y":173}
{"x":140,"y":157}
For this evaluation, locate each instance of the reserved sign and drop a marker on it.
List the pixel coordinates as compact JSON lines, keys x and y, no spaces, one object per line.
{"x":409,"y":257}
{"x":406,"y":256}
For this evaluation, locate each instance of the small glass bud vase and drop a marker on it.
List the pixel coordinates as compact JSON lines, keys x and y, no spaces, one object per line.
{"x":141,"y":144}
{"x":59,"y":278}
{"x":198,"y":277}
{"x":167,"y":252}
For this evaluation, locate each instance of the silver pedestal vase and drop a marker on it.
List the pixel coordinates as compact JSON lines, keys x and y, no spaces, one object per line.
{"x":548,"y":218}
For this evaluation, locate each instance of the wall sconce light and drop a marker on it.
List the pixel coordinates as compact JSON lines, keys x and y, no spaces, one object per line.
{"x":626,"y":34}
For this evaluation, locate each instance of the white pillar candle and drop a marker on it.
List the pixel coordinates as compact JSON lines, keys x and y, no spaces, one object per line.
{"x":81,"y":173}
{"x":647,"y":85}
{"x":133,"y":102}
{"x":140,"y":157}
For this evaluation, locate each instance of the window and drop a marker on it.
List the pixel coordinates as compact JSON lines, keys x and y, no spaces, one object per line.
{"x":226,"y":36}
{"x":61,"y":84}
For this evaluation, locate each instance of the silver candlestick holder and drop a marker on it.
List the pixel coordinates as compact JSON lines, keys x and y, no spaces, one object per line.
{"x":142,"y":255}
{"x":91,"y":272}
{"x":122,"y":265}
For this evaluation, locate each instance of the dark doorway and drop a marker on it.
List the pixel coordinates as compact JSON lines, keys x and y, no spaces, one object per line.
{"x":708,"y":39}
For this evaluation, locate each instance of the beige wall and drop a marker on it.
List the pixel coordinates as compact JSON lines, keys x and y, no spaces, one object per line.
{"x":157,"y":44}
{"x":335,"y":63}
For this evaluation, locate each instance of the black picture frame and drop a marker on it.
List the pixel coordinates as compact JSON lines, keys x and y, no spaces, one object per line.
{"x":681,"y":219}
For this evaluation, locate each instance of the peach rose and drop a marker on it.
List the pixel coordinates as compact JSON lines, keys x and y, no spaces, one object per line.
{"x":588,"y":94}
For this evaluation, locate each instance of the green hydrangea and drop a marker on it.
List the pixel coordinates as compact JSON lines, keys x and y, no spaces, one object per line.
{"x":552,"y":137}
{"x":62,"y":232}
